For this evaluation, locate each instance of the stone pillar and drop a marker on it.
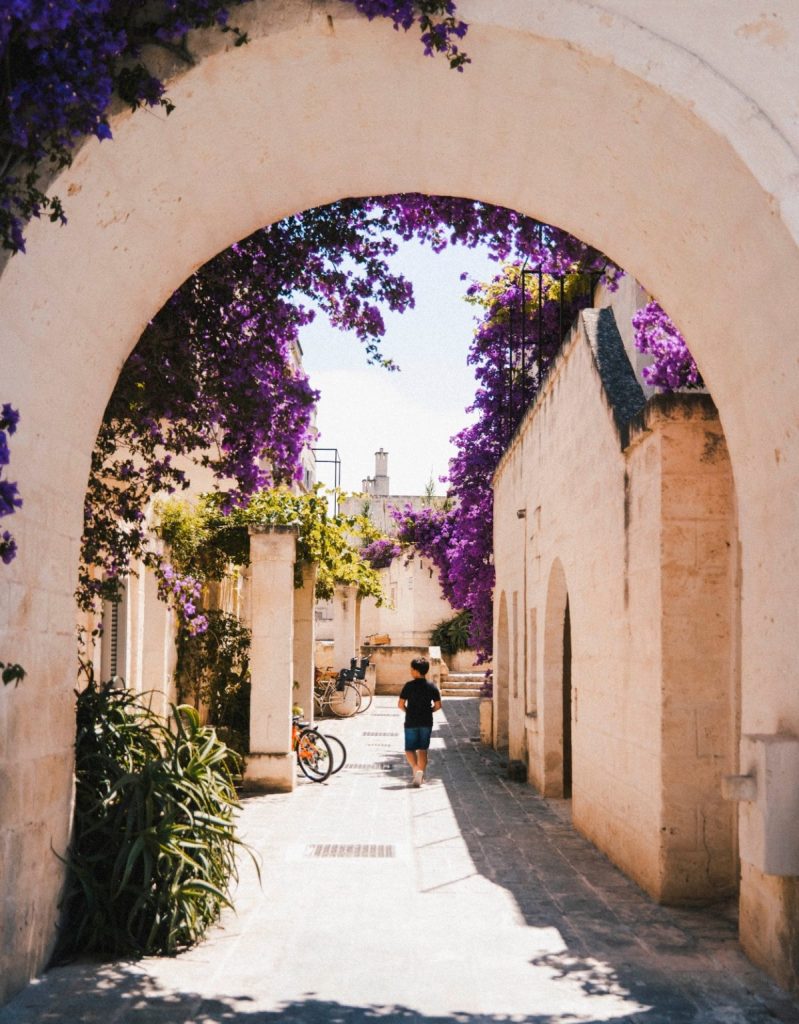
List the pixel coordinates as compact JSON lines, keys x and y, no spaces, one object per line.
{"x":270,"y":764}
{"x":345,"y":643}
{"x":305,"y":640}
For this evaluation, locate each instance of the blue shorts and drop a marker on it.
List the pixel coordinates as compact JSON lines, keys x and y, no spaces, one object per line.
{"x":417,"y":737}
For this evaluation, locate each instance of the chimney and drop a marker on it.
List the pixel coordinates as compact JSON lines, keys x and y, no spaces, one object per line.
{"x":381,"y":473}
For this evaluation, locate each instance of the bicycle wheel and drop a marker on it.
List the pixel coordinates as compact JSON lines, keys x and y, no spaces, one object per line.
{"x":345,"y":703}
{"x":365,"y":692}
{"x":314,"y":755}
{"x":339,"y":752}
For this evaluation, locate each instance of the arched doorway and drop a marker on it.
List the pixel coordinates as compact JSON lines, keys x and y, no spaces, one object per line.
{"x":658,"y":139}
{"x":502,"y":677}
{"x":566,"y":703}
{"x":554,"y":776}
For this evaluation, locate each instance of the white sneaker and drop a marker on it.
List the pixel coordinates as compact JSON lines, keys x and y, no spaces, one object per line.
{"x":417,"y":778}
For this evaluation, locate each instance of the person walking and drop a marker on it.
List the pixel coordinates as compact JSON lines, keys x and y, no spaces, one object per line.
{"x":418,"y":699}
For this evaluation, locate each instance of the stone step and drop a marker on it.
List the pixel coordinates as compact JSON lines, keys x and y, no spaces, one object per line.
{"x":463,"y":677}
{"x":460,"y":689}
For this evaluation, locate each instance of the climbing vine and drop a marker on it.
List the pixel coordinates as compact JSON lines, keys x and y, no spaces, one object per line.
{"x":206,"y":543}
{"x":63,"y":62}
{"x":10,"y":501}
{"x":213,"y":671}
{"x":205,"y":538}
{"x":459,"y":540}
{"x":672,"y":366}
{"x":213,"y":380}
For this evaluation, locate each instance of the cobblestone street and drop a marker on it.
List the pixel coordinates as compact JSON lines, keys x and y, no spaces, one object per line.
{"x":469,"y":900}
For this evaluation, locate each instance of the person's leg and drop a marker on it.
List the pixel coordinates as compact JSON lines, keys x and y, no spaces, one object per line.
{"x":411,"y":743}
{"x":421,"y":750}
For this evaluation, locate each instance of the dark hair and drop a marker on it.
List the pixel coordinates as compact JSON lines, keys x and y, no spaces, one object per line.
{"x":422,"y":666}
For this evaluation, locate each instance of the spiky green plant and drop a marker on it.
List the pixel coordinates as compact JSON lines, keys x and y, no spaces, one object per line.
{"x":452,"y":635}
{"x":154,"y":843}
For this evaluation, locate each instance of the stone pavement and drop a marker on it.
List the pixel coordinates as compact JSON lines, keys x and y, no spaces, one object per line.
{"x":470,"y":900}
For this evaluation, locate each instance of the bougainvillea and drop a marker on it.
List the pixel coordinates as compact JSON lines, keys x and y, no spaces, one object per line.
{"x":212,"y":381}
{"x":184,"y":593}
{"x":380,"y":553}
{"x":673,"y":366}
{"x":224,"y":393}
{"x":438,"y":23}
{"x":459,"y":541}
{"x":63,"y":61}
{"x":10,"y":501}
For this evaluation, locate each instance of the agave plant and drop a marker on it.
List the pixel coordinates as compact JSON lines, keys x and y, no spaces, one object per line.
{"x":452,"y":635}
{"x":153,"y":853}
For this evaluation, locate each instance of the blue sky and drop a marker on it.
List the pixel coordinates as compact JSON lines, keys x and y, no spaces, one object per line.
{"x":412,"y":413}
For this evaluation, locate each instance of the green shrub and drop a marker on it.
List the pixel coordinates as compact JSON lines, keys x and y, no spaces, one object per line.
{"x":213,"y":670}
{"x":154,"y":842}
{"x":452,"y":635}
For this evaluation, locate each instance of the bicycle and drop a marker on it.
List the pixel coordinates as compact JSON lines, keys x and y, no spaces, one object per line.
{"x":357,"y":676}
{"x":336,"y":694}
{"x":314,"y":754}
{"x":337,"y":749}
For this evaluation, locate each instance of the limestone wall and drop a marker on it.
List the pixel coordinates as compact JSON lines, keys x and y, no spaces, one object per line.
{"x":640,"y":542}
{"x":413,"y":604}
{"x":392,"y":664}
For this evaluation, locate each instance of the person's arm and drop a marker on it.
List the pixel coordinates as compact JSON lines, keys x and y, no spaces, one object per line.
{"x":437,"y":705}
{"x":401,"y":704}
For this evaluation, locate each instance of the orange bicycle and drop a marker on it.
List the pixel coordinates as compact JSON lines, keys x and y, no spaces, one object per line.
{"x":314,"y":755}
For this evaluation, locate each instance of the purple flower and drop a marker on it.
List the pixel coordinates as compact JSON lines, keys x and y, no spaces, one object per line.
{"x":673,"y":366}
{"x":8,"y":547}
{"x":9,"y":418}
{"x":380,"y":553}
{"x":10,"y":500}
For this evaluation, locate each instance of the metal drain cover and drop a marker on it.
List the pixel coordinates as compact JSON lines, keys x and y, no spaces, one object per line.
{"x":370,"y":766}
{"x":329,"y":850}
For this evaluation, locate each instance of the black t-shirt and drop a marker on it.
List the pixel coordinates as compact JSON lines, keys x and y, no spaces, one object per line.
{"x":420,"y":696}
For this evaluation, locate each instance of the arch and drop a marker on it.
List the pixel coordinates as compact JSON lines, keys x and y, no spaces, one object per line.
{"x":502,"y":670}
{"x":555,"y":711}
{"x":664,"y":140}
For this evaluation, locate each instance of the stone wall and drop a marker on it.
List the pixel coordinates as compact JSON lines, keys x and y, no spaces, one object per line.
{"x":632,"y":528}
{"x":392,"y":664}
{"x":413,"y":604}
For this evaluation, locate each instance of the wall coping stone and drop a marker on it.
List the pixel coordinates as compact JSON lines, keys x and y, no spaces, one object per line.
{"x":662,"y":408}
{"x":620,"y":384}
{"x":295,"y":530}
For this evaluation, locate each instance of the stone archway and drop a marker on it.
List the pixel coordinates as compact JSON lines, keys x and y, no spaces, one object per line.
{"x":665,"y":139}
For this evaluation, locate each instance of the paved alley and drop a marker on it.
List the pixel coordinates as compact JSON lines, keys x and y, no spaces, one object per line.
{"x":470,"y":900}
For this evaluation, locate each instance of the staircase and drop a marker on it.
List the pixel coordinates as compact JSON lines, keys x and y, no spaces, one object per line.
{"x":462,"y":684}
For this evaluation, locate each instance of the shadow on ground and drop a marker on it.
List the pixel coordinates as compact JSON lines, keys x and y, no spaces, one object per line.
{"x":685,"y":964}
{"x":98,"y":992}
